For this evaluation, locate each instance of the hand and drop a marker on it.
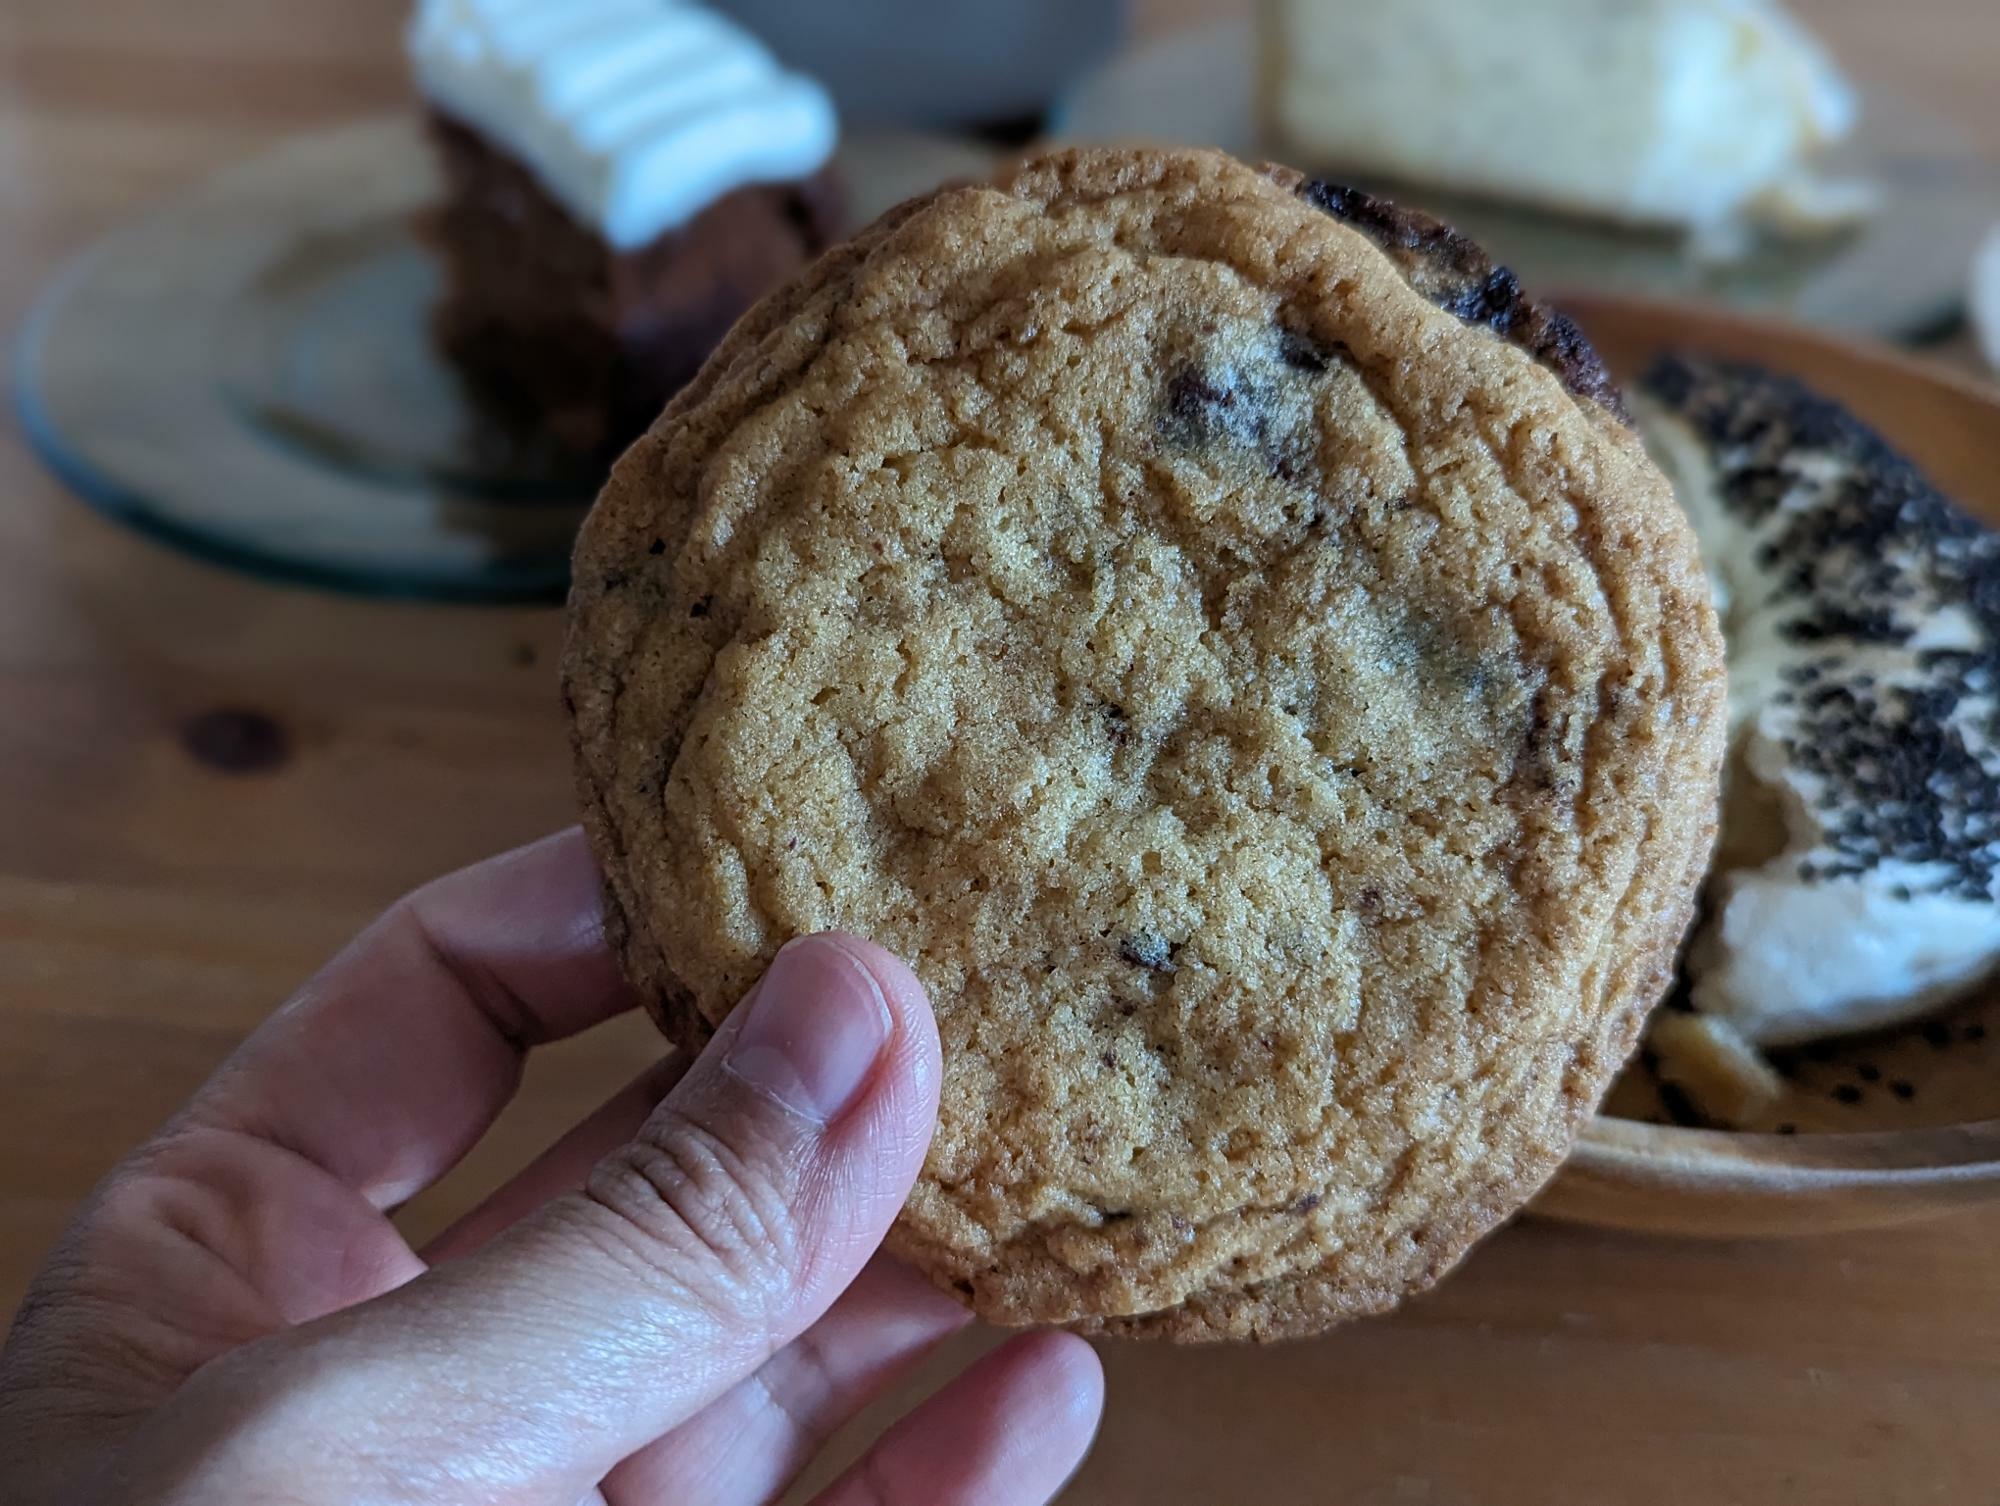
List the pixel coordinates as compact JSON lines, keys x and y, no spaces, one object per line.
{"x":678,"y":1303}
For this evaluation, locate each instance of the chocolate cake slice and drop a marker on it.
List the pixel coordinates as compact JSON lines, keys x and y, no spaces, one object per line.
{"x":623,"y":179}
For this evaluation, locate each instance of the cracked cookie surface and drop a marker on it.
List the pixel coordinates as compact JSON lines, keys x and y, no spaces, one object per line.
{"x":1262,"y":688}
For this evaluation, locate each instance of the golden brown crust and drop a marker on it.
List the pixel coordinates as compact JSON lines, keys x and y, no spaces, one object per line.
{"x":1454,"y":272}
{"x":1277,"y":719}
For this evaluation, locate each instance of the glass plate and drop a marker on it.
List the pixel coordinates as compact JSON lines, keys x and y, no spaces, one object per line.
{"x":248,"y":374}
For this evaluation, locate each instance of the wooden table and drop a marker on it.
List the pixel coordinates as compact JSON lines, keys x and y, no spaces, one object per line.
{"x":153,"y":905}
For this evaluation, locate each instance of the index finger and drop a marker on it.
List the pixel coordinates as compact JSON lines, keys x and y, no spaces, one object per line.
{"x":391,"y":1063}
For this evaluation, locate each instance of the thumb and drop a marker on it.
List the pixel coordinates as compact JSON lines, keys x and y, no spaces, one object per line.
{"x":754,"y":1195}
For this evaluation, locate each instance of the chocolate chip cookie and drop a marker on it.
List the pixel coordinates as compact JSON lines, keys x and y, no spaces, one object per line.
{"x":1227,"y":639}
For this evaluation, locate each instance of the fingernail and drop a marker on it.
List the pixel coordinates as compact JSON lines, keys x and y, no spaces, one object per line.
{"x":817,"y":1023}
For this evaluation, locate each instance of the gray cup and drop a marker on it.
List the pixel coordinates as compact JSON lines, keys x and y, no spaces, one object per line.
{"x":939,"y":64}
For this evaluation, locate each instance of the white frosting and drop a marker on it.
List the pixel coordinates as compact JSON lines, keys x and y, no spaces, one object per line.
{"x":1986,"y":297}
{"x":635,"y":114}
{"x":1688,"y":113}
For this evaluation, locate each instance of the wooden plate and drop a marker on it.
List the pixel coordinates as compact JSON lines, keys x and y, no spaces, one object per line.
{"x":1881,"y":1129}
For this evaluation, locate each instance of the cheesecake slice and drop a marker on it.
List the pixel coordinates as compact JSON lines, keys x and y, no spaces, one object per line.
{"x":623,"y":179}
{"x":1697,"y":115}
{"x":1857,"y":881}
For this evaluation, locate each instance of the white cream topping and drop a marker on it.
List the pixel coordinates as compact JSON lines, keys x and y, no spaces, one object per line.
{"x":1688,"y":113}
{"x":636,"y":115}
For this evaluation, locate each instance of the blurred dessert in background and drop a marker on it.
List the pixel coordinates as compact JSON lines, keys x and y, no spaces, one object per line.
{"x":1986,"y":298}
{"x":1703,"y":116}
{"x":962,"y":66}
{"x":623,"y":179}
{"x":1857,"y":881}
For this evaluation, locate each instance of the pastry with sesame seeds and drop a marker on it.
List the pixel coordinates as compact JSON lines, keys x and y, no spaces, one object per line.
{"x":1229,"y":640}
{"x":1858,"y":879}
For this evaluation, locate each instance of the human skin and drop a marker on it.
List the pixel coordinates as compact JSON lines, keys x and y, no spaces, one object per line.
{"x":680,"y":1301}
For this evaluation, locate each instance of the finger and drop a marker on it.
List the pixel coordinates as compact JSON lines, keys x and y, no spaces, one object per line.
{"x":750,"y":1200}
{"x":1009,"y":1432}
{"x":388,"y":1066}
{"x":753,"y":1441}
{"x":564,"y":1166}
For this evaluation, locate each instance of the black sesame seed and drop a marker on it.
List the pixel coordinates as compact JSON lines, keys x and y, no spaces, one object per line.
{"x":1788,"y":1129}
{"x":1975,"y":1032}
{"x":1903,"y":1089}
{"x":1937,"y":1035}
{"x":1866,"y":549}
{"x":1847,"y":1093}
{"x":1868,"y":1072}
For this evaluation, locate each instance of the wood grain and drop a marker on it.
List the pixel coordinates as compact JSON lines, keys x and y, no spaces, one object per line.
{"x":152,"y":908}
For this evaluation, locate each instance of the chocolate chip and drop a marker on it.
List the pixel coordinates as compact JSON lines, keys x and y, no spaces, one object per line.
{"x":1154,"y":953}
{"x":1198,"y":403}
{"x":1455,"y":274}
{"x":237,"y":742}
{"x":1208,"y":408}
{"x":1495,"y":301}
{"x":1302,"y":352}
{"x":657,"y":548}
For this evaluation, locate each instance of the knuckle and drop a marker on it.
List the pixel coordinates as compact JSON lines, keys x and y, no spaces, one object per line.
{"x":704,"y":1213}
